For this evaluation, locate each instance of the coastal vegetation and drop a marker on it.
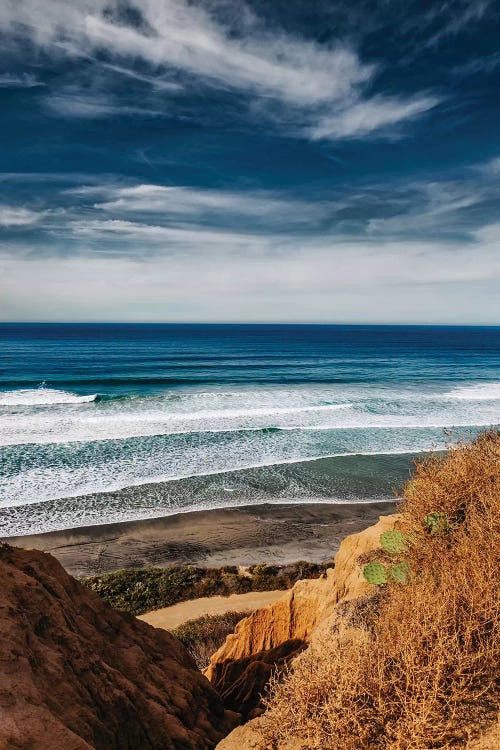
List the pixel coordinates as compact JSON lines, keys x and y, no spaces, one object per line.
{"x":142,"y":590}
{"x":416,"y":663}
{"x":203,"y":636}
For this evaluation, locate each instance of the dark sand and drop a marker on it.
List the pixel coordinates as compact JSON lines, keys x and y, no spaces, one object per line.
{"x":229,"y":536}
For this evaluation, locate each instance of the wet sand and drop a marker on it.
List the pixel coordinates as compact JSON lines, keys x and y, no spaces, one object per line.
{"x":278,"y":534}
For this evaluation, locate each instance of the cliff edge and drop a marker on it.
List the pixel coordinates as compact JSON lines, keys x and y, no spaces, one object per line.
{"x":76,"y":674}
{"x":271,"y":636}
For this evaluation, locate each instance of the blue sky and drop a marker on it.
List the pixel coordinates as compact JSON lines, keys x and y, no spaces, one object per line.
{"x":221,"y":160}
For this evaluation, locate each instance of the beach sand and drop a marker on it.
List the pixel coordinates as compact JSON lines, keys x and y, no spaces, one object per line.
{"x":171,"y":617}
{"x":278,"y":534}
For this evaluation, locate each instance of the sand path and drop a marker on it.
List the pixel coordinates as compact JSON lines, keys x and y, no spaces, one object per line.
{"x":171,"y":617}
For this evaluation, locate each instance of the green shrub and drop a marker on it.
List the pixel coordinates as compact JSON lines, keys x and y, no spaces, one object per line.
{"x":141,"y":590}
{"x":202,"y":637}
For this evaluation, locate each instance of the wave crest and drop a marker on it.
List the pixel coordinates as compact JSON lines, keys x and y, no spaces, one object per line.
{"x":42,"y":397}
{"x":478,"y":392}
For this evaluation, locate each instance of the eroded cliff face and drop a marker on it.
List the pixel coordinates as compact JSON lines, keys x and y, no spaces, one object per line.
{"x":242,"y":666}
{"x":76,"y":674}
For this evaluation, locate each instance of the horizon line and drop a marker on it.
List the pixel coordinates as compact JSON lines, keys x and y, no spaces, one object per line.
{"x":244,"y":323}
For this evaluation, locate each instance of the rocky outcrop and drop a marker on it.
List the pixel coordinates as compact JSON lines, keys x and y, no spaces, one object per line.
{"x":240,"y":681}
{"x":76,"y":674}
{"x":289,"y":624}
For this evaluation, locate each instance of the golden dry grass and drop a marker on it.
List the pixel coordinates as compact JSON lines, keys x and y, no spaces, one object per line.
{"x":424,"y":673}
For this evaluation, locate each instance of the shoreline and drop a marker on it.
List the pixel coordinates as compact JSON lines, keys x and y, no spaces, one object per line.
{"x":243,"y":535}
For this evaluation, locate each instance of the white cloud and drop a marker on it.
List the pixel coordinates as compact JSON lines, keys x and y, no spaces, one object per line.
{"x":319,"y":84}
{"x":370,"y":116}
{"x":15,"y":216}
{"x":185,"y":37}
{"x":321,"y":281}
{"x":184,"y":240}
{"x":489,"y":234}
{"x":434,"y":205}
{"x":197,"y":202}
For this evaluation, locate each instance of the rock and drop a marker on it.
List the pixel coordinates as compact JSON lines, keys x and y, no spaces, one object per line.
{"x":303,"y":613}
{"x":299,"y":612}
{"x":76,"y":674}
{"x":240,"y":682}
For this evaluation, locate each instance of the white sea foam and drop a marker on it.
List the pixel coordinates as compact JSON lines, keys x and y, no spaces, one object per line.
{"x":300,"y":409}
{"x":477,"y":392}
{"x":42,"y":397}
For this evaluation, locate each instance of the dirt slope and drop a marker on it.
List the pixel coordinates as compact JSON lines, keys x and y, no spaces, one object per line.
{"x":76,"y":674}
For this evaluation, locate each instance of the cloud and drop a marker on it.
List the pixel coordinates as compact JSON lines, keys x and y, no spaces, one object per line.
{"x":484,"y":64}
{"x":322,"y":85}
{"x":316,"y":281}
{"x":202,"y":204}
{"x":19,"y":81}
{"x":129,"y":238}
{"x":437,"y":206}
{"x":12,"y":216}
{"x":371,"y":116}
{"x":489,"y":234}
{"x":456,"y":17}
{"x":92,"y":106}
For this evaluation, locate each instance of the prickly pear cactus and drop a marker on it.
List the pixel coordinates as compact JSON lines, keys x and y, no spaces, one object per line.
{"x":400,"y":572}
{"x":393,"y":541}
{"x":375,"y":573}
{"x":436,"y":523}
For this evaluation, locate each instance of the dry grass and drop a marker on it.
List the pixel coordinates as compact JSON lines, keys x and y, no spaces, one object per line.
{"x":424,"y":673}
{"x":203,"y":636}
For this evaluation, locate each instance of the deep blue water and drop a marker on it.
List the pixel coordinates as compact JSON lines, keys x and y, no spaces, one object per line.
{"x":110,"y":422}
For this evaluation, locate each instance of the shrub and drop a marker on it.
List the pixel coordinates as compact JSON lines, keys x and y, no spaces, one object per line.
{"x":424,"y":672}
{"x":139,"y":591}
{"x":202,"y":637}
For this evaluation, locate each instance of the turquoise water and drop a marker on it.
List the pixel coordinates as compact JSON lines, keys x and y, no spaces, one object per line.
{"x":103,"y":423}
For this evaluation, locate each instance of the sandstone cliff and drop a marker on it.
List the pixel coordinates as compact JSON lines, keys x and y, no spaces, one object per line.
{"x":413,"y":664}
{"x":76,"y":674}
{"x":241,"y":668}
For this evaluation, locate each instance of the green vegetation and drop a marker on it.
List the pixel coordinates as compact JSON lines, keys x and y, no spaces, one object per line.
{"x":396,"y":544}
{"x":393,"y":542}
{"x":204,"y":636}
{"x":436,"y":523}
{"x":141,"y":590}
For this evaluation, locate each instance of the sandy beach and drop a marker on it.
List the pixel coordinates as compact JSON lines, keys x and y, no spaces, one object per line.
{"x":232,"y":536}
{"x":169,"y":618}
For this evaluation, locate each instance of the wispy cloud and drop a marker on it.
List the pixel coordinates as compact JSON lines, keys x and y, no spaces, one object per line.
{"x":321,"y":84}
{"x":15,"y":216}
{"x":77,"y":104}
{"x":19,"y":81}
{"x":202,"y":205}
{"x":371,"y":116}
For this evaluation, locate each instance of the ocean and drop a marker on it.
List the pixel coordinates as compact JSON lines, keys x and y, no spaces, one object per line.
{"x":111,"y":422}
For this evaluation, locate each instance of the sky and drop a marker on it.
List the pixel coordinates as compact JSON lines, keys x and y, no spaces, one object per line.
{"x":248,"y":160}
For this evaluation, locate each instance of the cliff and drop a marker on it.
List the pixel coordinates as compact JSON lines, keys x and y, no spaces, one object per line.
{"x":241,"y":668}
{"x":411,"y":663}
{"x":76,"y":674}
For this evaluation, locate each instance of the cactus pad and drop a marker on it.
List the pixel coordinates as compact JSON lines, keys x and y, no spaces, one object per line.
{"x":400,"y":572}
{"x":393,"y":542}
{"x":436,"y":523}
{"x":375,"y":573}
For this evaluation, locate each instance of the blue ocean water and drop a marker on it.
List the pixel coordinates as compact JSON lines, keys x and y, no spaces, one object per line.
{"x":105,"y":422}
